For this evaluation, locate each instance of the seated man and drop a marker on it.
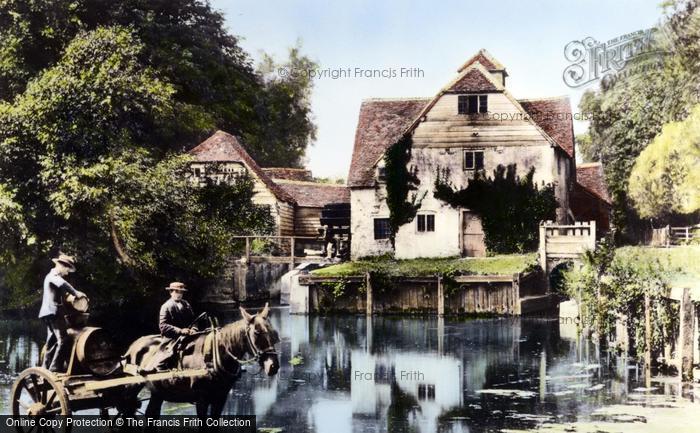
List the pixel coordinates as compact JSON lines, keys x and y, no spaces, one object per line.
{"x":176,"y":317}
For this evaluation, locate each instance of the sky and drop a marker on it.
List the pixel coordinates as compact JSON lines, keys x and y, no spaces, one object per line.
{"x":432,"y":38}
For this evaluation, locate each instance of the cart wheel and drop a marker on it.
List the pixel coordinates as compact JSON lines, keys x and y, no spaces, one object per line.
{"x":37,"y":392}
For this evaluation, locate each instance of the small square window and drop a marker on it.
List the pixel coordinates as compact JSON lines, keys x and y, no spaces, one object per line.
{"x":473,"y":160}
{"x":382,"y":230}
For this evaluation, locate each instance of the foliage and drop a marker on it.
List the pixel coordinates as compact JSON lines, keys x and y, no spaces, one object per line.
{"x":665,"y":178}
{"x":628,"y":112}
{"x":510,"y":207}
{"x":610,"y":287}
{"x":185,"y":42}
{"x":585,"y":148}
{"x":84,"y":168}
{"x":496,"y":265}
{"x":400,"y":181}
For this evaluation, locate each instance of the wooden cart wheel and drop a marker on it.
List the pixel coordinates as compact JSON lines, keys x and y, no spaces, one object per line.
{"x":37,"y":392}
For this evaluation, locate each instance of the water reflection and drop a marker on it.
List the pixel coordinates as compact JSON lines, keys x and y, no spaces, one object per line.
{"x":386,"y":374}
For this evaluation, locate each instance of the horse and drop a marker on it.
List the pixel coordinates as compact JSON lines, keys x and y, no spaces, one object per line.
{"x":251,"y":339}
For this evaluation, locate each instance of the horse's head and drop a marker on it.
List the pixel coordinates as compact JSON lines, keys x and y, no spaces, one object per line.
{"x":262,"y":337}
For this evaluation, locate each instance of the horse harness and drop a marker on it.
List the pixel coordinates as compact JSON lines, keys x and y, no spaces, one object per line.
{"x":212,"y":348}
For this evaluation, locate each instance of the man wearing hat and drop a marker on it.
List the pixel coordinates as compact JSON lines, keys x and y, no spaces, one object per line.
{"x":176,"y":317}
{"x":52,"y":311}
{"x":176,"y":314}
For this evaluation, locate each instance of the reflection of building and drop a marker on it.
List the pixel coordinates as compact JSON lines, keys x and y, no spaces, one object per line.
{"x":433,"y":381}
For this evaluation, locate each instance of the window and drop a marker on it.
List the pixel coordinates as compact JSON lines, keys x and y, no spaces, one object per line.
{"x":473,"y":159}
{"x":197,"y":172}
{"x":381,"y":174}
{"x":472,"y":104}
{"x":381,"y":228}
{"x":425,"y":223}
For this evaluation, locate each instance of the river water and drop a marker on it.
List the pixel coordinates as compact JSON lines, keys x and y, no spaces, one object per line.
{"x":386,"y":374}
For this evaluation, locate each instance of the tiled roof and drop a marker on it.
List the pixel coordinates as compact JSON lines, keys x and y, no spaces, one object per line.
{"x":590,"y":176}
{"x":553,"y":115}
{"x":473,"y":81}
{"x":486,"y":59}
{"x":381,"y":124}
{"x":313,"y":194}
{"x":224,"y":147}
{"x":288,"y":173}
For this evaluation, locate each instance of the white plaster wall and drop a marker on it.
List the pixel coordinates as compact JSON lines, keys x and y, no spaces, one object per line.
{"x":365,"y":205}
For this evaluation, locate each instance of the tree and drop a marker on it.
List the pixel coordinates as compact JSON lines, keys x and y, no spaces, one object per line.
{"x":185,"y":42}
{"x":85,"y":168}
{"x":510,"y":207}
{"x":665,"y":179}
{"x":629,"y":111}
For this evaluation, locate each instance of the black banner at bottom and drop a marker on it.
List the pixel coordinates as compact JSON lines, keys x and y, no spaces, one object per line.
{"x":95,"y":423}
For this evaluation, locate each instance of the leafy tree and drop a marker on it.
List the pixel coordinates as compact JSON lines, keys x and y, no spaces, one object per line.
{"x":629,"y":111}
{"x":511,"y":208}
{"x":84,"y":168}
{"x":585,"y":148}
{"x":665,"y":179}
{"x":185,"y":42}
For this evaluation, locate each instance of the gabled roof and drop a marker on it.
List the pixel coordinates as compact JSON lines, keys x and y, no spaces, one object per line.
{"x":381,"y":124}
{"x":314,"y":194}
{"x":486,"y":59}
{"x":590,"y":177}
{"x":224,"y":147}
{"x":474,"y":81}
{"x":554,"y":116}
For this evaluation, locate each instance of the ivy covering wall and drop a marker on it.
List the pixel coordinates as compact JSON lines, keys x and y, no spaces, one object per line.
{"x":510,"y":207}
{"x":401,"y":185}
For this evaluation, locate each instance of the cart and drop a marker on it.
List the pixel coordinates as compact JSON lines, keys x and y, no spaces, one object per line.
{"x":97,"y":377}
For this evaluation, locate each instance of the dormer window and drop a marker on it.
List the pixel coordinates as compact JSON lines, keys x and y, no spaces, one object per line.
{"x":472,"y":104}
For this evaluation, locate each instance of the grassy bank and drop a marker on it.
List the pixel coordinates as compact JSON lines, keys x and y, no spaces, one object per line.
{"x":496,"y":265}
{"x":682,"y":263}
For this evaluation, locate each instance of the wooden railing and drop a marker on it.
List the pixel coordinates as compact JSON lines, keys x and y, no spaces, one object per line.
{"x":279,"y":249}
{"x":669,"y":236}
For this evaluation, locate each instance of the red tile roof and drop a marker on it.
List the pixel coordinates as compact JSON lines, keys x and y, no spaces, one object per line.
{"x":313,"y":194}
{"x":590,"y":176}
{"x":288,"y":173}
{"x":554,"y":116}
{"x":224,"y":147}
{"x":486,"y":59}
{"x":380,"y":125}
{"x":473,"y":81}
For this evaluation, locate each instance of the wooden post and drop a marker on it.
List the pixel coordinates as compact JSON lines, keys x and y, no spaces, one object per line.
{"x":291,"y":254}
{"x":647,"y":340}
{"x":440,"y":297}
{"x":247,"y":249}
{"x":687,"y":322}
{"x":368,"y":285}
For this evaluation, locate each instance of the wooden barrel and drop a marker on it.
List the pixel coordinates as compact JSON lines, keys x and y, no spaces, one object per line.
{"x":96,"y":353}
{"x":79,"y":304}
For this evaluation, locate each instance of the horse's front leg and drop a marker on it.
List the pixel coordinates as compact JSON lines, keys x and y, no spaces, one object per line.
{"x":154,"y":405}
{"x":202,"y":408}
{"x":218,"y":402}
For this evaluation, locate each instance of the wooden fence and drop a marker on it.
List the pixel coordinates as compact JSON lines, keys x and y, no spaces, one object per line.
{"x":669,"y":236}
